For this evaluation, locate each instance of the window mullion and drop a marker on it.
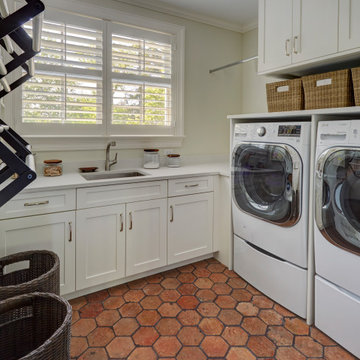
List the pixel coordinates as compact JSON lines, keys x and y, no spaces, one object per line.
{"x":107,"y":78}
{"x":65,"y":79}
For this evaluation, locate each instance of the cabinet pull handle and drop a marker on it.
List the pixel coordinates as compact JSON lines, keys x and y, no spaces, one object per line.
{"x":172,"y":213}
{"x":131,"y":223}
{"x":191,"y":186}
{"x":70,"y":231}
{"x":296,"y":50}
{"x":37,"y":203}
{"x":287,"y":42}
{"x":121,"y":223}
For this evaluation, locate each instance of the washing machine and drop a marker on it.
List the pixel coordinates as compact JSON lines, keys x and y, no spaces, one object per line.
{"x":270,"y":172}
{"x":337,"y":232}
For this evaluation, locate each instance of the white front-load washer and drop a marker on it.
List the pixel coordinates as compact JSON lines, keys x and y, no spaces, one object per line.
{"x":270,"y":171}
{"x":337,"y":232}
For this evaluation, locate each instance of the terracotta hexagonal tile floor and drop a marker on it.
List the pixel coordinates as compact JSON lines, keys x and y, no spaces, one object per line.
{"x":196,"y":312}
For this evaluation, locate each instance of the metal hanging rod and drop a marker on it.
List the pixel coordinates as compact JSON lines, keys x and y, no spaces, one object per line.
{"x":233,"y":64}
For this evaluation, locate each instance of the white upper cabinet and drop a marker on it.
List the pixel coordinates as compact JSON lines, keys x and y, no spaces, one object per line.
{"x":315,"y":29}
{"x":275,"y":34}
{"x":296,"y":36}
{"x":349,"y":27}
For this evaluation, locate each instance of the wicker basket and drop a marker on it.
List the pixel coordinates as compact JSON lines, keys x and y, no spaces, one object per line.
{"x":285,"y":95}
{"x":328,"y":90}
{"x":42,"y":274}
{"x":35,"y":326}
{"x":356,"y":84}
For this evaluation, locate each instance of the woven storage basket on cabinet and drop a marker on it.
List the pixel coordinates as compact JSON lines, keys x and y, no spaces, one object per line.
{"x":285,"y":95}
{"x":356,"y":84}
{"x":35,"y":327}
{"x":43,"y":274}
{"x":328,"y":90}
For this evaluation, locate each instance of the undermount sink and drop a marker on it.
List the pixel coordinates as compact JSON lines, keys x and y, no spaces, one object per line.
{"x":112,"y":175}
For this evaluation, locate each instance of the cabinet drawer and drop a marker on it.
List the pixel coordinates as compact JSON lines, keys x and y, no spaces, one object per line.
{"x":191,"y":185}
{"x":117,"y":194}
{"x":36,"y":203}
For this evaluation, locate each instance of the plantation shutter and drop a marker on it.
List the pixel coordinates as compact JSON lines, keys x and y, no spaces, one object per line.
{"x":141,"y":79}
{"x":68,"y":86}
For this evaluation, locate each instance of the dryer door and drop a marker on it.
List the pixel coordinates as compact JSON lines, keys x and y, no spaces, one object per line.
{"x":266,"y":181}
{"x":337,"y":202}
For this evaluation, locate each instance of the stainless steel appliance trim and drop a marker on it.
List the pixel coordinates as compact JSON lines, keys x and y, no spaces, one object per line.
{"x":296,"y":209}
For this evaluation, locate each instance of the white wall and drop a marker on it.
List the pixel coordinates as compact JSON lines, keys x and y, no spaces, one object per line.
{"x":208,"y":98}
{"x":253,"y":90}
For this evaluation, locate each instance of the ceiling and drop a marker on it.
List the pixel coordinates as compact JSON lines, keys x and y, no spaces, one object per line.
{"x":237,"y":15}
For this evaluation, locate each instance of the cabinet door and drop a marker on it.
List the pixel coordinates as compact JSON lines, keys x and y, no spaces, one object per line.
{"x":145,"y":236}
{"x":100,"y":247}
{"x":190,"y":227}
{"x":349,"y":26}
{"x":315,"y":31}
{"x":275,"y":32}
{"x":43,"y":232}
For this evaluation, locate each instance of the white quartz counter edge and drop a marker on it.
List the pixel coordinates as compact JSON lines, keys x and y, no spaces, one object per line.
{"x":75,"y":180}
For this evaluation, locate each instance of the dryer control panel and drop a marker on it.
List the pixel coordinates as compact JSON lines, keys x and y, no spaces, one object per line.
{"x":339,"y":132}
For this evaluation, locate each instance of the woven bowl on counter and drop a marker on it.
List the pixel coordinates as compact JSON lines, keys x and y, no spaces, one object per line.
{"x":42,"y":275}
{"x":35,"y":326}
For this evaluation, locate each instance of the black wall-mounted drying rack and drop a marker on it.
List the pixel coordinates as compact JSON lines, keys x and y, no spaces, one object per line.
{"x":16,"y":160}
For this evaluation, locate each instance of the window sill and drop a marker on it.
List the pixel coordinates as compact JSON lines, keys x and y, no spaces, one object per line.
{"x":71,"y":143}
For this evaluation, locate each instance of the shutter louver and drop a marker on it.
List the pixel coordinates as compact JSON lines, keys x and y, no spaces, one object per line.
{"x":141,"y":85}
{"x":67,"y":87}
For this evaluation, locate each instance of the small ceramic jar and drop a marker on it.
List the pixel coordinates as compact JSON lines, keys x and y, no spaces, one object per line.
{"x":173,"y":160}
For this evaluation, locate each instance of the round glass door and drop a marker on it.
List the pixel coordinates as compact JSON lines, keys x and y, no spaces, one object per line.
{"x":263,"y":182}
{"x":338,"y":211}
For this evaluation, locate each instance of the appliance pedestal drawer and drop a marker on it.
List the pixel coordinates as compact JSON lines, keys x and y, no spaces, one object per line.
{"x":283,"y":282}
{"x":337,"y":314}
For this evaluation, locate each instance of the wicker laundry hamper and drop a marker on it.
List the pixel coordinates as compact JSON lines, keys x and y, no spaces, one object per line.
{"x":42,"y":275}
{"x":35,"y":326}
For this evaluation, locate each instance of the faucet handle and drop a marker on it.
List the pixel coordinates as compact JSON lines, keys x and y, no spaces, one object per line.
{"x":115,"y":158}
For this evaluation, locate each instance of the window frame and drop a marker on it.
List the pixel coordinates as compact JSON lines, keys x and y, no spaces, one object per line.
{"x":95,"y":136}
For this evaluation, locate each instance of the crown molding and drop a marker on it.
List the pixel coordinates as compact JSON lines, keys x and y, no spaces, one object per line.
{"x":251,"y":25}
{"x":171,"y":10}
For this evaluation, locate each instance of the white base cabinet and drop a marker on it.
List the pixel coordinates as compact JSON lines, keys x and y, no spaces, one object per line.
{"x":116,"y":231}
{"x":190,"y":226}
{"x":145,"y":236}
{"x":43,"y":232}
{"x":100,"y":246}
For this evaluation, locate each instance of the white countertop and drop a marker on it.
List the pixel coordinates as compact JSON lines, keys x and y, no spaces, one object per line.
{"x":75,"y":180}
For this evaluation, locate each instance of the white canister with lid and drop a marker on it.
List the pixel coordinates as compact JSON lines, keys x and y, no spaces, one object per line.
{"x":151,"y":159}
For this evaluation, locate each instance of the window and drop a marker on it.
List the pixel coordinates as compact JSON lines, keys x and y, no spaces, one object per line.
{"x":141,"y":80}
{"x":103,"y":78}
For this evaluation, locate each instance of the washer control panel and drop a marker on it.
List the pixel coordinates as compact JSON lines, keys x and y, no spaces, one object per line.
{"x":289,"y":130}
